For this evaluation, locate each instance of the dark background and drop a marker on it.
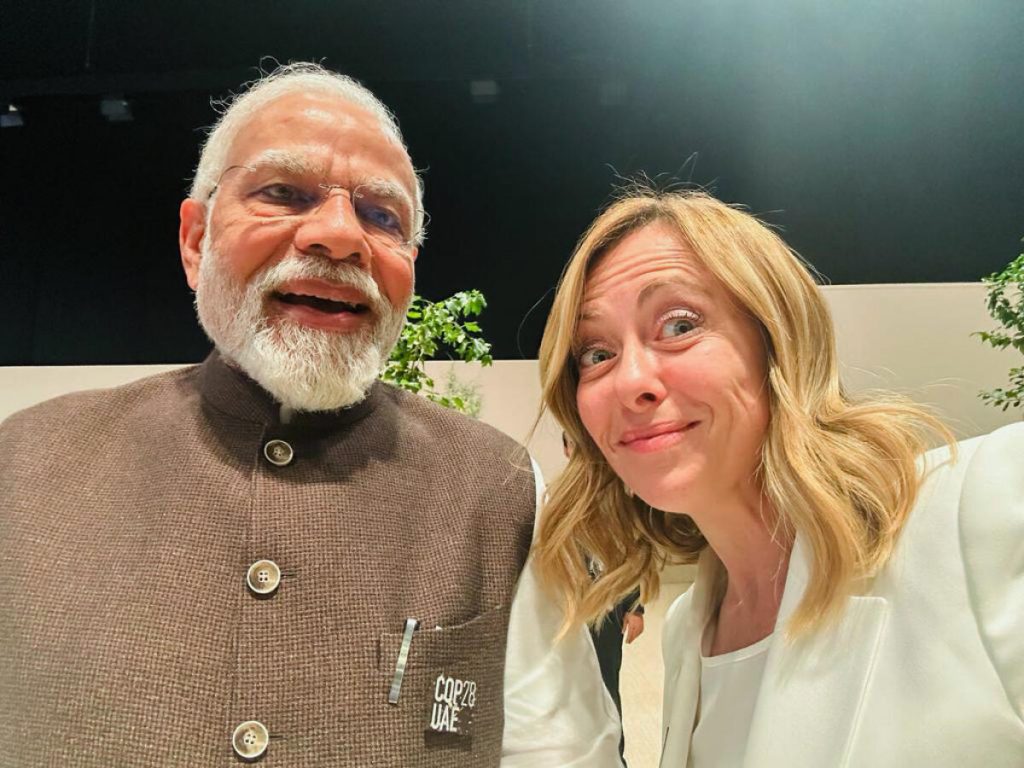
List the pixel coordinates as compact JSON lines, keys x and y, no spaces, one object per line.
{"x":884,"y":137}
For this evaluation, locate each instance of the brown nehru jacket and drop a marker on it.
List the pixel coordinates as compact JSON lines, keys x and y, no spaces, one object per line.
{"x":131,"y":628}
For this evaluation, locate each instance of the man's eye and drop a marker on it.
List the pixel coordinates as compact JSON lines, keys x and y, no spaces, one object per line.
{"x":594,"y":356}
{"x":284,"y":194}
{"x":678,"y":325}
{"x":378,"y":216}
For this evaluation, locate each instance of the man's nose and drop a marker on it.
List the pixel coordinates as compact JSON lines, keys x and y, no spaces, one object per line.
{"x":332,"y":229}
{"x":638,"y":382}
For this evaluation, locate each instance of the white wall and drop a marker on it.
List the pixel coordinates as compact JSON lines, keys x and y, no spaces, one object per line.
{"x":914,"y":338}
{"x":917,"y":339}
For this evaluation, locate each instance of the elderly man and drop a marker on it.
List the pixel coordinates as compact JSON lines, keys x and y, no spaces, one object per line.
{"x":271,"y":556}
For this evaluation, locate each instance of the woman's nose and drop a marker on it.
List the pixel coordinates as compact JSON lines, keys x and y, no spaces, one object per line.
{"x":638,"y":379}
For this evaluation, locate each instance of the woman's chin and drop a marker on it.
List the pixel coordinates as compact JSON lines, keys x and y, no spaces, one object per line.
{"x":676,"y":497}
{"x":666,"y":502}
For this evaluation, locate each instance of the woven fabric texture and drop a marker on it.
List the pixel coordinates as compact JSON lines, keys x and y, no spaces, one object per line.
{"x":128,"y":520}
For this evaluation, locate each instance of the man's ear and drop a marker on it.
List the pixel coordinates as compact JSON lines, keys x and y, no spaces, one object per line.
{"x":191,"y":231}
{"x":415,"y":253}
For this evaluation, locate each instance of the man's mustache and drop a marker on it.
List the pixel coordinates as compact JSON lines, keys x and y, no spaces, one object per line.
{"x":320,"y":268}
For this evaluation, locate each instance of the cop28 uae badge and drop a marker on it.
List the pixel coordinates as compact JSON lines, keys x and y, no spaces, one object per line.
{"x":451,"y":708}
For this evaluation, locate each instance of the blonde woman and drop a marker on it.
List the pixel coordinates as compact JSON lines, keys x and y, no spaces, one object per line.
{"x":855,"y":605}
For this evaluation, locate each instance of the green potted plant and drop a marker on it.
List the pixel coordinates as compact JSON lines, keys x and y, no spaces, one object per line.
{"x":432,"y":327}
{"x":1006,"y":305}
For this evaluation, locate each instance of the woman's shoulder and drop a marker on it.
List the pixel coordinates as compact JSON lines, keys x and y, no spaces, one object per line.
{"x":983,"y":478}
{"x":991,"y":529}
{"x":999,"y":449}
{"x":976,"y":496}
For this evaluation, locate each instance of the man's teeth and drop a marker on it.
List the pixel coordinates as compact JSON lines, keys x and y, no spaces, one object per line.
{"x":324,"y":305}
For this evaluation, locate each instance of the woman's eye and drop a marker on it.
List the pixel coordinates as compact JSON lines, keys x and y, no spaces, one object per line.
{"x":594,"y":356}
{"x":678,"y":325}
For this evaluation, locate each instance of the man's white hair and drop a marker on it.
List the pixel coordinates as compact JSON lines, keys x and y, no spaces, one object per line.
{"x":286,"y":79}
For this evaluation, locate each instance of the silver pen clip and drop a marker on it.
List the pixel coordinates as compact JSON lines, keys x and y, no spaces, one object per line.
{"x":403,"y":658}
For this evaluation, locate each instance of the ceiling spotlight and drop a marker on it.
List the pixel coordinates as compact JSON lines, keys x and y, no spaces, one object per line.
{"x":484,"y":91}
{"x":116,"y":109}
{"x":11,"y":117}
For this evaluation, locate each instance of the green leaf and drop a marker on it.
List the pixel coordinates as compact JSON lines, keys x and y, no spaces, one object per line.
{"x":1005,"y":302}
{"x":433,"y":328}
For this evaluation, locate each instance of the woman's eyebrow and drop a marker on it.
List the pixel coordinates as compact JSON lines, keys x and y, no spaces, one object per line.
{"x":648,"y":291}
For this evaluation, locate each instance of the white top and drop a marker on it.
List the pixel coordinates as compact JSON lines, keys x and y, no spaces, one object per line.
{"x":729,"y":685}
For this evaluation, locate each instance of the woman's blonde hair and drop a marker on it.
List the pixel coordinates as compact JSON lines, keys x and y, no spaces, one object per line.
{"x":839,"y":471}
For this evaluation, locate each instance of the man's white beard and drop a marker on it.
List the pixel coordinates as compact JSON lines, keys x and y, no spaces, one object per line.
{"x":306,"y":369}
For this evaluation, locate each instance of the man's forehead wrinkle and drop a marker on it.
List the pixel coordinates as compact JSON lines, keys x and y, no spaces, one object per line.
{"x":341,"y":119}
{"x":341,"y":153}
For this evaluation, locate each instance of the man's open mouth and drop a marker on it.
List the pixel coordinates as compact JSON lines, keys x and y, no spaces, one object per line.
{"x":330,"y":306}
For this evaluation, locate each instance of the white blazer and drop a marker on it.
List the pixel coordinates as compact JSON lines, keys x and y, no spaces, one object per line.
{"x":925,"y":669}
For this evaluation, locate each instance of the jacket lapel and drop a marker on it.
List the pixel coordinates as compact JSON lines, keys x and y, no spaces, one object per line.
{"x":813,"y":688}
{"x":682,"y":668}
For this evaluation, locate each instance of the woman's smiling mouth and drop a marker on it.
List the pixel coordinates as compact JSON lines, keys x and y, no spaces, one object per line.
{"x":656,"y":437}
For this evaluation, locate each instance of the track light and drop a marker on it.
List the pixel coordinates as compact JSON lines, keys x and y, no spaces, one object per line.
{"x":11,"y":117}
{"x":116,"y":109}
{"x":484,"y":91}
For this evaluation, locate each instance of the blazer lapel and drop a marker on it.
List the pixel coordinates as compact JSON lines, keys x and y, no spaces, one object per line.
{"x":682,"y":669}
{"x":811,"y":694}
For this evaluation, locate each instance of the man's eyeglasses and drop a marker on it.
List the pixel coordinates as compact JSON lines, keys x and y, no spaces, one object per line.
{"x":382,"y":207}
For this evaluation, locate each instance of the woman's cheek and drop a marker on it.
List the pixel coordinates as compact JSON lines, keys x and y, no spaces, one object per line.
{"x":589,"y":411}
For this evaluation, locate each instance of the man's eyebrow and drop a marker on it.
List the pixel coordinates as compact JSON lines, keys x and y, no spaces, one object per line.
{"x":388,"y":189}
{"x":294,"y":163}
{"x":298,"y":164}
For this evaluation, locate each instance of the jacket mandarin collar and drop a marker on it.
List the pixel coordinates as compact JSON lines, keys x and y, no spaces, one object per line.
{"x":810,"y":698}
{"x":228,"y":390}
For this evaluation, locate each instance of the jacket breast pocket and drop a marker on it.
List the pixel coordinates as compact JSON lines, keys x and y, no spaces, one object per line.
{"x":451,"y":687}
